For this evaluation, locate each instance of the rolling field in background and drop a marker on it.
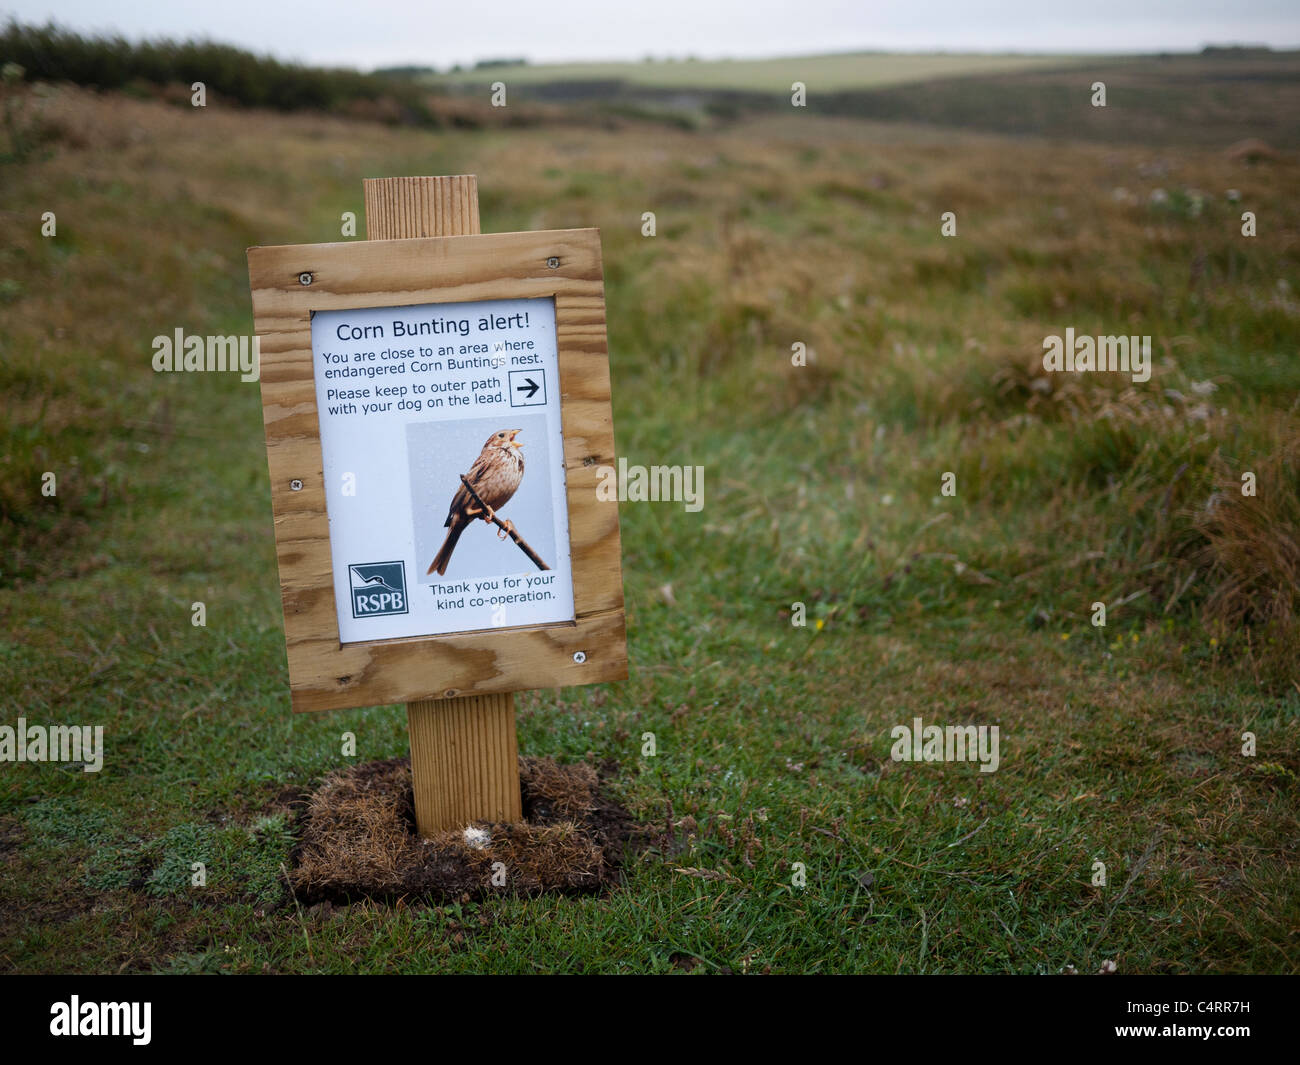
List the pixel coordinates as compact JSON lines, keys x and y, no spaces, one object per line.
{"x":827,"y":73}
{"x":1120,"y":745}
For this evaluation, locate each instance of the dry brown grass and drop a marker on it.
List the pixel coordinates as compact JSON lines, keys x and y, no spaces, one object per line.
{"x":359,"y":838}
{"x":1252,"y":542}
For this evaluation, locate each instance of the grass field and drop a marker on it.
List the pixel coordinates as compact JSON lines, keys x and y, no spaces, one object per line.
{"x":826,"y":73}
{"x":1120,"y":745}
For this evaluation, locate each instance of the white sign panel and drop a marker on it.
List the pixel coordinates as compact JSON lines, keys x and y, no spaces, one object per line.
{"x":410,"y":399}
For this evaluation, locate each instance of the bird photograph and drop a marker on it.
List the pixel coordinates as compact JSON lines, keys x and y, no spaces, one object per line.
{"x":494,"y":478}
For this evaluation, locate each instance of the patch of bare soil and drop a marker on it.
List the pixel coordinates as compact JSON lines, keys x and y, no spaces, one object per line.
{"x":358,"y":839}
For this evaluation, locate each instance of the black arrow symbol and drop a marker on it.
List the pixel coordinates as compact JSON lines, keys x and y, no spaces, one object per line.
{"x":531,"y":388}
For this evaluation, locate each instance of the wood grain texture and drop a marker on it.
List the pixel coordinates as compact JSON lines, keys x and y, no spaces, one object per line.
{"x":325,"y":674}
{"x":464,"y":752}
{"x":464,"y":761}
{"x":421,"y":206}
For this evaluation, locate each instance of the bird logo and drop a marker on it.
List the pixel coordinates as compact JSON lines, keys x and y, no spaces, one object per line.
{"x":378,"y":589}
{"x":495,"y":477}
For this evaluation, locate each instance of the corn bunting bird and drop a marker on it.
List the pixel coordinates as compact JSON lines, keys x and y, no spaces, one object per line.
{"x":495,"y":475}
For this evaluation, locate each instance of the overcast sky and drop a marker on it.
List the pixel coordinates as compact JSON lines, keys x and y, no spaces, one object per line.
{"x":369,"y":33}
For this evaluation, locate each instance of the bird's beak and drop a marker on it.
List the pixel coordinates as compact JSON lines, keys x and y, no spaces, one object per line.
{"x":513,"y":441}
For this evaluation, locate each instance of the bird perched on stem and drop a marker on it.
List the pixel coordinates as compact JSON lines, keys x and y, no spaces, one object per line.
{"x":495,"y":477}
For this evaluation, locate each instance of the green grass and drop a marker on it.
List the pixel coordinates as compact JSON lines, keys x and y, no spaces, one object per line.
{"x":822,"y":487}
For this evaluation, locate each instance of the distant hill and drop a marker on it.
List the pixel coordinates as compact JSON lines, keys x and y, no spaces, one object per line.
{"x":822,"y":73}
{"x":1215,"y":97}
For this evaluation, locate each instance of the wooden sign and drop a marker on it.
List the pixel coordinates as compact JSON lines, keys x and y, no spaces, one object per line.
{"x":436,"y":413}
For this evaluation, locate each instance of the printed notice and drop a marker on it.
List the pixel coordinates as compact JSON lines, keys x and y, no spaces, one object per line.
{"x":444,"y":467}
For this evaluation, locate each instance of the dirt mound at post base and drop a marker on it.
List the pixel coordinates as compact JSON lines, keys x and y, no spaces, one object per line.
{"x":358,"y":839}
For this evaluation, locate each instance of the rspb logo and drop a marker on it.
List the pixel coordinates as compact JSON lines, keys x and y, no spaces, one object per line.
{"x":378,"y":589}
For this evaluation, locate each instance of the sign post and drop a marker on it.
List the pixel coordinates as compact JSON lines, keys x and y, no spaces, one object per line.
{"x":464,"y":752}
{"x":418,"y":563}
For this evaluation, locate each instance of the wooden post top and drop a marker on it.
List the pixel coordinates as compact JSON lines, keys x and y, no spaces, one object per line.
{"x":402,"y":207}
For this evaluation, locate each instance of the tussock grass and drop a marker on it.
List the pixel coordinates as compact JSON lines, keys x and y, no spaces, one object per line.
{"x":1250,"y":545}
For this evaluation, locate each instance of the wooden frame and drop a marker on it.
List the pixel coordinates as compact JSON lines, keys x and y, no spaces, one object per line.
{"x":326,"y":674}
